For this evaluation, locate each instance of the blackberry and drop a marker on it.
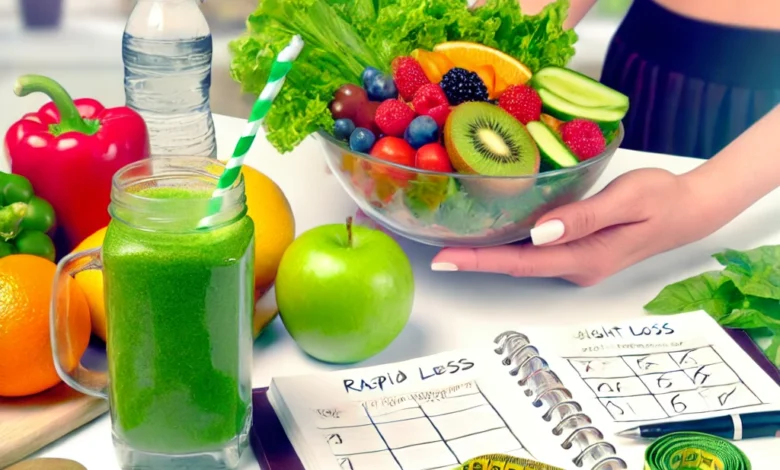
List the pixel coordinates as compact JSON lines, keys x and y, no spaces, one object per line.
{"x":460,"y":86}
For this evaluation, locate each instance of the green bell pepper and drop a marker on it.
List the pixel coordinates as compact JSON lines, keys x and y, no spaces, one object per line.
{"x":25,"y":219}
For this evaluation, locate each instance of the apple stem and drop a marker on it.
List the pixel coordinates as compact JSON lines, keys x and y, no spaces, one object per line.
{"x":349,"y":231}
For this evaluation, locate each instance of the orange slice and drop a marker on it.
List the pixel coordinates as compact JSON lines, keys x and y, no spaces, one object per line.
{"x":500,"y":86}
{"x":470,"y":55}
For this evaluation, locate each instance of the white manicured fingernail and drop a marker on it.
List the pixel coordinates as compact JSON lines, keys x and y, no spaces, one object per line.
{"x":548,"y":232}
{"x":443,"y":267}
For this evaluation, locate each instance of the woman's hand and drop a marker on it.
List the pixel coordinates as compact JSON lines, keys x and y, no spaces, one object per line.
{"x":639,"y":214}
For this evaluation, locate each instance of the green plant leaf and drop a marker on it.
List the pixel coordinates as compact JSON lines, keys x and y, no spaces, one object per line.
{"x":753,"y":312}
{"x":748,"y":318}
{"x":754,"y":272}
{"x":711,"y":291}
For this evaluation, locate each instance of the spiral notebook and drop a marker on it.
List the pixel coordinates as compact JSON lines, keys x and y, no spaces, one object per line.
{"x":555,"y":395}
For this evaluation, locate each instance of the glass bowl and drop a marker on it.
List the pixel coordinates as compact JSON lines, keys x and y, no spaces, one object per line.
{"x":457,"y":209}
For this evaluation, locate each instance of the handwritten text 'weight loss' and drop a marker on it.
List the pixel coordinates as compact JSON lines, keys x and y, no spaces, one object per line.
{"x":630,"y":332}
{"x":394,"y":378}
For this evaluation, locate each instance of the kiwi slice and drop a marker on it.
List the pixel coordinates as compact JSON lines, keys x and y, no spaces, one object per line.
{"x":483,"y":139}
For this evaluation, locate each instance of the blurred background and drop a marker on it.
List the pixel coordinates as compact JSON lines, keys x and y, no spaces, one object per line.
{"x":78,"y":43}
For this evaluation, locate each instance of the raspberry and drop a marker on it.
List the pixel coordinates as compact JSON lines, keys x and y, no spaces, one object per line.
{"x":393,"y":117}
{"x":584,"y":138}
{"x":460,"y":86}
{"x":522,"y":102}
{"x":439,"y":114}
{"x":408,"y":76}
{"x":427,"y":97}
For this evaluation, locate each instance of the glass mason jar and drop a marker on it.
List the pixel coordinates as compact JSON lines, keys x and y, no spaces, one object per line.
{"x":179,"y":301}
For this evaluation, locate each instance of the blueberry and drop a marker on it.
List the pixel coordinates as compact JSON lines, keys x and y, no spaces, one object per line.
{"x":343,"y":128}
{"x":382,"y":88}
{"x":368,"y":76}
{"x":423,"y":130}
{"x":361,"y":140}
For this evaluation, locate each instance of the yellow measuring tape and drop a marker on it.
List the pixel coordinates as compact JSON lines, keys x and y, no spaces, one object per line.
{"x":504,"y":462}
{"x":694,"y":451}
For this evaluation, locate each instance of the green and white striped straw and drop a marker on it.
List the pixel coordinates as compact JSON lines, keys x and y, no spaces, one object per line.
{"x":276,"y":78}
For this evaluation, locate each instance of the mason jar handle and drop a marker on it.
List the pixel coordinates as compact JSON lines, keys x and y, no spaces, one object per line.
{"x":69,"y":368}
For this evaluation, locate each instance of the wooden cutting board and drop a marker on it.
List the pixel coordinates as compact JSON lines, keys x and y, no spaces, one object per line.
{"x":28,"y":424}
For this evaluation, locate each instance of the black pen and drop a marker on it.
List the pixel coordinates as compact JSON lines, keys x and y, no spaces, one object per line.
{"x":735,"y":427}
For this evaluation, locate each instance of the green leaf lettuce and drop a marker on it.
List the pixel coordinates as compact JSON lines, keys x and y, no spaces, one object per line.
{"x":342,"y":37}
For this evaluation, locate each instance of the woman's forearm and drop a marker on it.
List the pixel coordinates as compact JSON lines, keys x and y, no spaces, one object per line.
{"x":742,"y":173}
{"x":577,"y":9}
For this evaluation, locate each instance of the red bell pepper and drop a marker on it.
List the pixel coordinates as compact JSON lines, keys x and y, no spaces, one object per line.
{"x":70,"y":150}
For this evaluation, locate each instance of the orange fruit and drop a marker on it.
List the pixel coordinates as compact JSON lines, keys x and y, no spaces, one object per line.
{"x":434,"y":64}
{"x":470,"y":55}
{"x":91,"y":283}
{"x":26,"y":364}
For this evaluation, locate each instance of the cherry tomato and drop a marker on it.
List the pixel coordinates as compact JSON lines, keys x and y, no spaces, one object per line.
{"x":395,"y":150}
{"x":433,"y":157}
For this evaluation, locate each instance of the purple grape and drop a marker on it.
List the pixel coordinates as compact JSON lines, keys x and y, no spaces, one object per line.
{"x":347,"y":100}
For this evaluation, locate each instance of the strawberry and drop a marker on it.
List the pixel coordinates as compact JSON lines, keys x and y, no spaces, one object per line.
{"x":393,"y":117}
{"x":409,"y":76}
{"x":427,"y":97}
{"x":522,"y":102}
{"x":584,"y":138}
{"x":439,"y":114}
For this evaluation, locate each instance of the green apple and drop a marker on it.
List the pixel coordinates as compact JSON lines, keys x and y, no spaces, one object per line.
{"x":344,"y":292}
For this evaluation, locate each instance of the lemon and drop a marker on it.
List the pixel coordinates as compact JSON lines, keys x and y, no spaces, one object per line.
{"x":91,"y":283}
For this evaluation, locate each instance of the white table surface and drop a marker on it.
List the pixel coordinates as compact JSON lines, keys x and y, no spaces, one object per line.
{"x":453,"y":310}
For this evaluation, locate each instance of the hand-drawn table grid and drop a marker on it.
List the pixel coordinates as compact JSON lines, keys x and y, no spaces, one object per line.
{"x":424,"y":435}
{"x":648,"y":387}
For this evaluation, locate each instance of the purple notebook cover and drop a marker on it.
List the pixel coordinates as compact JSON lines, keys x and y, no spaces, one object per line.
{"x":274,"y":451}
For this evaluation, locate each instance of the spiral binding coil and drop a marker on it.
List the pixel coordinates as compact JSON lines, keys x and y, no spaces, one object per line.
{"x":545,"y":389}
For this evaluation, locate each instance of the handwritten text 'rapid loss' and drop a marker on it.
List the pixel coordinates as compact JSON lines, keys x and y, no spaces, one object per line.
{"x":394,"y":378}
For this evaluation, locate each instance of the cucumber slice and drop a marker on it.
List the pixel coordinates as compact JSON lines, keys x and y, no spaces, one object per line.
{"x":565,"y":110}
{"x":551,"y":148}
{"x":578,"y":88}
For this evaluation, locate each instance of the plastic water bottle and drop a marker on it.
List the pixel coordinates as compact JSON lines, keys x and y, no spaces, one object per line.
{"x":167,"y":50}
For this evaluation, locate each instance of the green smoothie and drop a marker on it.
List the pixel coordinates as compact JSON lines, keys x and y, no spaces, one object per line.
{"x":179,"y":322}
